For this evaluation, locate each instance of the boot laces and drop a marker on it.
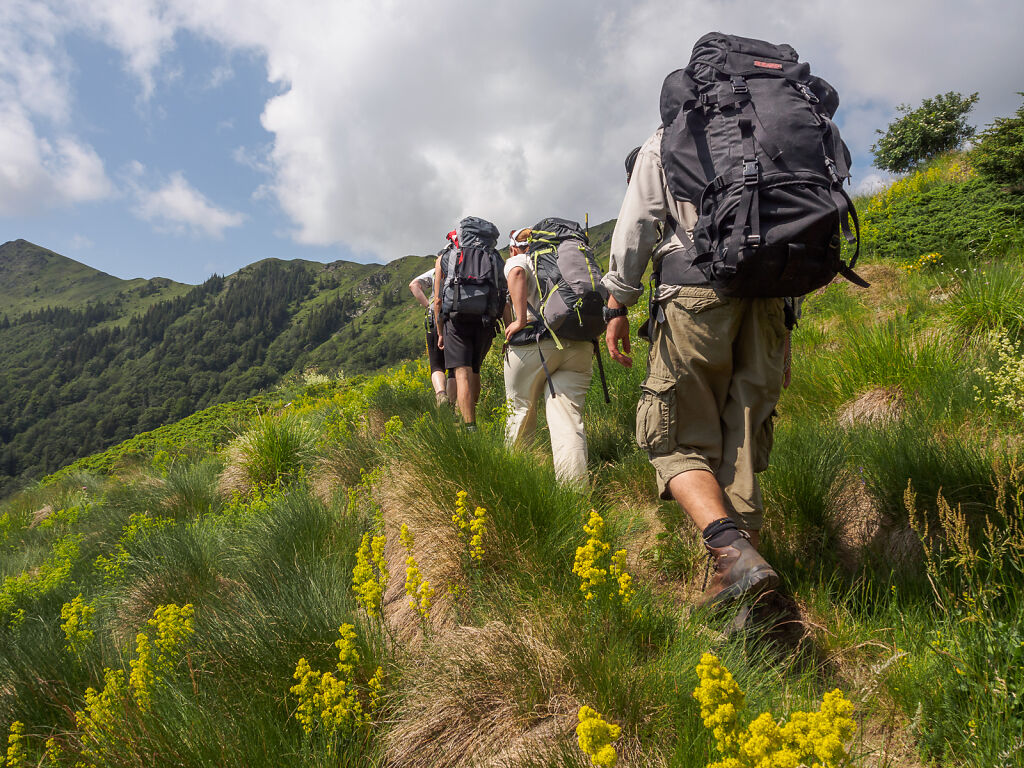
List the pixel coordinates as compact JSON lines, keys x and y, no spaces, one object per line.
{"x":711,"y":558}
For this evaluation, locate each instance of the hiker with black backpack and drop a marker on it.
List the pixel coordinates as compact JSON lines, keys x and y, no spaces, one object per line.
{"x":469,"y":297}
{"x":442,"y":379}
{"x":736,"y":202}
{"x":550,"y":333}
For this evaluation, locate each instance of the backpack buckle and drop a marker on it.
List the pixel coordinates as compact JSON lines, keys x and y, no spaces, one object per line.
{"x":739,"y":85}
{"x":833,"y":171}
{"x":807,"y":93}
{"x":751,"y":172}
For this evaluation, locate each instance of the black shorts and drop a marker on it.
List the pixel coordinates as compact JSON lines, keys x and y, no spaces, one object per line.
{"x":466,"y":343}
{"x":435,"y":355}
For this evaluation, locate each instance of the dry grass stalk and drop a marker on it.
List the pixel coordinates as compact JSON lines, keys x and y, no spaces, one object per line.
{"x":493,"y":695}
{"x":861,"y":527}
{"x":876,"y":407}
{"x":235,"y":477}
{"x":40,"y":514}
{"x":436,"y":550}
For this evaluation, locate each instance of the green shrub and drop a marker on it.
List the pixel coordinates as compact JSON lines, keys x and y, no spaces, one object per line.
{"x":945,"y":208}
{"x":938,"y":125}
{"x":998,"y":152}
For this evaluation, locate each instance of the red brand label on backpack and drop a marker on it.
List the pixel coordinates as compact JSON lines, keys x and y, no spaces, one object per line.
{"x":767,"y":65}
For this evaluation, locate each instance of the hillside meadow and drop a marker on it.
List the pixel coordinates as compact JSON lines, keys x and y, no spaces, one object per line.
{"x":334,"y":574}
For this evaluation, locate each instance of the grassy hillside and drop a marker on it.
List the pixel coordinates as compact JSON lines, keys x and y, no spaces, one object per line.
{"x":33,"y":278}
{"x":103,"y":359}
{"x":235,"y":589}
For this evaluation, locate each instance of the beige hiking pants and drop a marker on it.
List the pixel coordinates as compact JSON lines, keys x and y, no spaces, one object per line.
{"x":570,"y":369}
{"x":714,"y":378}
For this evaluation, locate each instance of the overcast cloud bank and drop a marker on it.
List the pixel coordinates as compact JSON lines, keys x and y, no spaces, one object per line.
{"x":394,"y":119}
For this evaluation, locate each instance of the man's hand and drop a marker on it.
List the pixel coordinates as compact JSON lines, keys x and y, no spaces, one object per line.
{"x":513,"y":328}
{"x":618,"y":330}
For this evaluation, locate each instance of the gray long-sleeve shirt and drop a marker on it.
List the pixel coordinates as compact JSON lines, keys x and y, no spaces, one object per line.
{"x":642,"y":232}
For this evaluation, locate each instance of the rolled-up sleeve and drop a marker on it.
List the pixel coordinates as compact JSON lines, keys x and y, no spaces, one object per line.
{"x":640,"y":227}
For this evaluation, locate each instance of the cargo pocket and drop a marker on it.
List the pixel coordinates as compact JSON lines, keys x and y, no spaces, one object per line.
{"x":763,"y":442}
{"x":656,"y":415}
{"x":696,"y":299}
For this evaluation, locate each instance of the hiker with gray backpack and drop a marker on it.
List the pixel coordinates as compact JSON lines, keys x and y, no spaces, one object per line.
{"x":553,"y":323}
{"x":736,"y":202}
{"x":469,"y":297}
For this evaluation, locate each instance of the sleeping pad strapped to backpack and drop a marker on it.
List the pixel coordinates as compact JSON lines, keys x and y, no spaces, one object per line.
{"x":749,"y":141}
{"x":472,"y":275}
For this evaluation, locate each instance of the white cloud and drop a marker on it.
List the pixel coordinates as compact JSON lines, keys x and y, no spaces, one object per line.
{"x":178,"y":207}
{"x":36,"y":173}
{"x":871,"y":184}
{"x":398,"y":118}
{"x":394,"y":118}
{"x":143,"y":30}
{"x":43,"y":164}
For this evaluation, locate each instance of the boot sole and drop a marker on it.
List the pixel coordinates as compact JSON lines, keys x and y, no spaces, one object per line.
{"x":755,"y":582}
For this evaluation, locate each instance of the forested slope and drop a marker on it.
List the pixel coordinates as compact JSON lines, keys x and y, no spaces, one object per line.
{"x":82,"y":375}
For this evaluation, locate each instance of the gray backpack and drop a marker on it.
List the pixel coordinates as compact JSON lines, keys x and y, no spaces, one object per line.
{"x":572,"y":298}
{"x":473,"y":284}
{"x":749,"y":141}
{"x":568,"y":279}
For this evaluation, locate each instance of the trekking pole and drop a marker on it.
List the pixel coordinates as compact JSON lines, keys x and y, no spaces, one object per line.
{"x":600,"y":370}
{"x":544,"y":364}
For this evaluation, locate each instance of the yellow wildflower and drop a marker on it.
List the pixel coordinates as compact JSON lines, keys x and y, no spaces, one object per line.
{"x":306,"y":691}
{"x":420,"y":592}
{"x":77,"y":624}
{"x":53,"y":755}
{"x":589,"y":556}
{"x":477,"y":526}
{"x":348,"y":656}
{"x":595,"y":737}
{"x":104,"y":709}
{"x":17,"y":756}
{"x":370,"y":575}
{"x":331,"y":702}
{"x":461,"y":515}
{"x":816,"y":739}
{"x":172,"y":626}
{"x":720,"y":700}
{"x":375,"y":691}
{"x":618,"y":571}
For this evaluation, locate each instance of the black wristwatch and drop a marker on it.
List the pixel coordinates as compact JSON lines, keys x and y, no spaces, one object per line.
{"x":610,"y":313}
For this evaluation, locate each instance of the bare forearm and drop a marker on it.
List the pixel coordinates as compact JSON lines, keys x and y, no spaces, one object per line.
{"x":416,"y":289}
{"x":517,"y":290}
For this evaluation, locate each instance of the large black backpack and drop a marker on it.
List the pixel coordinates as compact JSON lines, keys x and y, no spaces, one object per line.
{"x":749,"y":141}
{"x":568,"y":279}
{"x":473,"y":283}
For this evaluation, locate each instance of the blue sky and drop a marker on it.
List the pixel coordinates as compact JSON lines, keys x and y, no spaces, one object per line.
{"x":185,"y":137}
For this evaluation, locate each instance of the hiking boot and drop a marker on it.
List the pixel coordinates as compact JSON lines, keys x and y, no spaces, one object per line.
{"x":442,"y":399}
{"x":739,"y":571}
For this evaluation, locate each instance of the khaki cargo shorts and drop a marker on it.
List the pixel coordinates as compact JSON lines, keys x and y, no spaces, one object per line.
{"x":714,"y":377}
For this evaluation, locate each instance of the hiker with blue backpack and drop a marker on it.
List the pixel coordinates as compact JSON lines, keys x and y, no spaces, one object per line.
{"x":469,"y":297}
{"x":736,"y":202}
{"x":548,"y":352}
